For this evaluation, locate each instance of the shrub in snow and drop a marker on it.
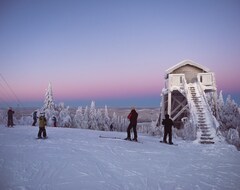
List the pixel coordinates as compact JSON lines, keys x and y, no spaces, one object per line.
{"x":3,"y":117}
{"x":188,"y":132}
{"x":114,"y":122}
{"x":233,"y":137}
{"x":154,"y":130}
{"x":26,"y":120}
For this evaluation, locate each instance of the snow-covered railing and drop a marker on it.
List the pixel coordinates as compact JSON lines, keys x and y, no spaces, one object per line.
{"x":175,"y":80}
{"x":207,"y":80}
{"x":214,"y":122}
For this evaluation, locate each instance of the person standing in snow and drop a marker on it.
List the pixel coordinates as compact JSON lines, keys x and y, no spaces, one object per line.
{"x":42,"y":125}
{"x":10,"y":117}
{"x":34,"y":118}
{"x":133,"y":115}
{"x":54,"y":121}
{"x":168,"y":123}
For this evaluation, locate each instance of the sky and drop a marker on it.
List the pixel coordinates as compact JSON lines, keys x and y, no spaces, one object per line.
{"x":113,"y":52}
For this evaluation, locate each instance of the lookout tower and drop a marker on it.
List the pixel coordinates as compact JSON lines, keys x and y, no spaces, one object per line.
{"x":190,"y":93}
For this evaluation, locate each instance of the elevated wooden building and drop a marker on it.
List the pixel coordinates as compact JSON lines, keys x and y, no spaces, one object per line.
{"x":189,"y":88}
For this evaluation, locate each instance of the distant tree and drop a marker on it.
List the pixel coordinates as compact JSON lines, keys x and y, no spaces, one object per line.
{"x":229,"y":119}
{"x":229,"y":115}
{"x":85,"y":118}
{"x":78,"y":118}
{"x":100,"y":119}
{"x":114,"y":121}
{"x":48,"y":102}
{"x":92,"y":124}
{"x":65,"y":118}
{"x":106,"y":119}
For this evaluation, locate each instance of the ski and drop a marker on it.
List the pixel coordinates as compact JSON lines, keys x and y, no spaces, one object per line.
{"x":43,"y":138}
{"x":168,"y":143}
{"x":118,"y":138}
{"x":133,"y":141}
{"x":106,"y":137}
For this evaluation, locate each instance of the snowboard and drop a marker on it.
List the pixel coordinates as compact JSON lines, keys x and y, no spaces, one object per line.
{"x":168,"y":143}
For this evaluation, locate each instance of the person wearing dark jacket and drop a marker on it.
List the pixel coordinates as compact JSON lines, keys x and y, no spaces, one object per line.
{"x":133,"y":115}
{"x":54,"y":121}
{"x":34,"y":118}
{"x":168,"y":123}
{"x":42,"y":125}
{"x":10,"y":117}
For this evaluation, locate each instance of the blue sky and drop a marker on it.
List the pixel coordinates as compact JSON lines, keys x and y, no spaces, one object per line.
{"x":113,"y":52}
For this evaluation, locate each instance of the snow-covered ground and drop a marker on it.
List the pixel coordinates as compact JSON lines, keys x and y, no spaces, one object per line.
{"x":76,"y":159}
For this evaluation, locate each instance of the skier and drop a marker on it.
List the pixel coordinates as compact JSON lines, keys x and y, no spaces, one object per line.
{"x":111,"y":127}
{"x":42,"y":125}
{"x":168,"y":123}
{"x":34,"y":118}
{"x":10,"y":117}
{"x":54,"y":121}
{"x":133,"y":115}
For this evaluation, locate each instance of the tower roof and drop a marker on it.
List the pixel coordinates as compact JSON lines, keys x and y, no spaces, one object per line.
{"x":187,"y":62}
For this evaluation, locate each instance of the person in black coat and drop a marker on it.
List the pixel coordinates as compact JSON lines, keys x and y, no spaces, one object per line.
{"x":34,"y":118}
{"x":10,"y":117}
{"x":168,"y":123}
{"x":133,"y":115}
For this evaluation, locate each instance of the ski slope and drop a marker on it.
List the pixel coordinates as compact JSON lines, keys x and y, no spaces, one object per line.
{"x":76,"y":159}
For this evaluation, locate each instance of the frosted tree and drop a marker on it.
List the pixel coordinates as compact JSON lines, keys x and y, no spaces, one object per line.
{"x":229,"y":114}
{"x":114,"y":121}
{"x":229,"y":119}
{"x":106,"y":119}
{"x":78,"y":118}
{"x":48,"y":102}
{"x":233,"y":137}
{"x":65,"y":118}
{"x":85,"y":118}
{"x":92,"y":124}
{"x":100,"y":119}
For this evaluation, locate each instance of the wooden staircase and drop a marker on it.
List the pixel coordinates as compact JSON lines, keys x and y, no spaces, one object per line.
{"x":202,"y":125}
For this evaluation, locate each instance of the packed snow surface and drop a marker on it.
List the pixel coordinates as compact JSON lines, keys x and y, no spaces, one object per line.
{"x":76,"y":159}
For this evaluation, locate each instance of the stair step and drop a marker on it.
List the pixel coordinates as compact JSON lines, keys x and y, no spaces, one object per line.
{"x":202,"y":125}
{"x":207,"y":142}
{"x":205,"y":131}
{"x":206,"y":138}
{"x":205,"y":134}
{"x":204,"y":128}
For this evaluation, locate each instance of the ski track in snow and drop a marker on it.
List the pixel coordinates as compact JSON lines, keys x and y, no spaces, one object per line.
{"x":77,"y":159}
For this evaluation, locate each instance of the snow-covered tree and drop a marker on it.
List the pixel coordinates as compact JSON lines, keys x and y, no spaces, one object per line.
{"x":100,"y":120}
{"x":233,"y":137}
{"x":106,"y":119}
{"x":229,"y":119}
{"x":85,"y":118}
{"x":65,"y":119}
{"x":229,"y":115}
{"x":154,"y":130}
{"x":92,"y":124}
{"x":48,"y":102}
{"x":78,"y":118}
{"x":114,"y":121}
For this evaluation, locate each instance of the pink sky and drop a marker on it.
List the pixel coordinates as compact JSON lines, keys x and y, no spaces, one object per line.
{"x":114,"y":49}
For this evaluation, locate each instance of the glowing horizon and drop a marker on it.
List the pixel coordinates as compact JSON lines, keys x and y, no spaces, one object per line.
{"x":114,"y":49}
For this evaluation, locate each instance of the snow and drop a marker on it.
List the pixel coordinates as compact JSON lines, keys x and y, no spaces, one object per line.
{"x":78,"y":159}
